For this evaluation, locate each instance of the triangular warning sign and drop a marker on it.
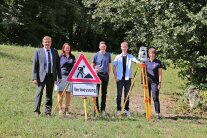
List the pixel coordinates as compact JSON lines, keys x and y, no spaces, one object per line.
{"x":83,"y":72}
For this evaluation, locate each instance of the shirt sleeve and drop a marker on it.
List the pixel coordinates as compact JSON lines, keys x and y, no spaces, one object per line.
{"x":94,"y":59}
{"x":134,"y":59}
{"x":109,"y":58}
{"x":61,"y":61}
{"x":160,"y":64}
{"x":74,"y":60}
{"x":115,"y":61}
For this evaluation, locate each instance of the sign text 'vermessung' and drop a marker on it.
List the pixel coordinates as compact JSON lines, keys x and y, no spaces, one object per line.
{"x":84,"y":89}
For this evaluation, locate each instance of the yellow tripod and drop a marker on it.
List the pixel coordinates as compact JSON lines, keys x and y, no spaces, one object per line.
{"x":144,"y":78}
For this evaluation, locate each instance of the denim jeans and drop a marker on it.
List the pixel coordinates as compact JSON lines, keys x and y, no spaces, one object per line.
{"x":155,"y":94}
{"x":120,"y":84}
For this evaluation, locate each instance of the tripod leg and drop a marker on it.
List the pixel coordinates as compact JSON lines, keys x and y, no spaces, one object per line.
{"x":146,"y":92}
{"x":64,"y":91}
{"x":133,"y":81}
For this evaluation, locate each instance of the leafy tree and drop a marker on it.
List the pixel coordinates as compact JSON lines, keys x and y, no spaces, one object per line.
{"x":25,"y":22}
{"x":8,"y":21}
{"x":176,"y":28}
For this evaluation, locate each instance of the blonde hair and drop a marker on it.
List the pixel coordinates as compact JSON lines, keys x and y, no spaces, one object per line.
{"x":124,"y":43}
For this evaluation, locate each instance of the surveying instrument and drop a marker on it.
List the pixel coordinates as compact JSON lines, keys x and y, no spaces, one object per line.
{"x":142,"y":57}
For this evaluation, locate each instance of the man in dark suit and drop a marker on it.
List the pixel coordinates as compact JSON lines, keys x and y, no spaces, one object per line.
{"x":46,"y":68}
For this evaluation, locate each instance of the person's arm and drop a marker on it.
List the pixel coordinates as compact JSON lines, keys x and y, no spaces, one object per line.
{"x":93,"y":65}
{"x":160,"y":77}
{"x":115,"y":64}
{"x":59,"y":73}
{"x":114,"y":71}
{"x":109,"y":66}
{"x":35,"y":68}
{"x":134,"y":59}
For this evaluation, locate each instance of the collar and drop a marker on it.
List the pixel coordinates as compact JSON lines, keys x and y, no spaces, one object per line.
{"x":152,"y":60}
{"x":66,"y":56}
{"x":123,"y":55}
{"x":102,"y":53}
{"x":46,"y":49}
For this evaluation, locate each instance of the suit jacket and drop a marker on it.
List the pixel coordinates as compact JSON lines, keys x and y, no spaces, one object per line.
{"x":40,"y":65}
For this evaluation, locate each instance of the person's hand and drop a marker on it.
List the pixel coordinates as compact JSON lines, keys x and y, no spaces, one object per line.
{"x":34,"y":82}
{"x":159,"y":86}
{"x":96,"y":69}
{"x":116,"y":79}
{"x":59,"y":80}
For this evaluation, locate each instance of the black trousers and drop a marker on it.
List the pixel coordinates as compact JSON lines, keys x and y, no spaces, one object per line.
{"x":104,"y":77}
{"x":153,"y":87}
{"x":120,"y":84}
{"x":49,"y":82}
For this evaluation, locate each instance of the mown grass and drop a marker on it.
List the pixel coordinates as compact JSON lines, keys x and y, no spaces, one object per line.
{"x":17,"y":101}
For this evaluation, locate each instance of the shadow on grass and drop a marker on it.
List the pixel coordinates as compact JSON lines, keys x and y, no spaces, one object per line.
{"x":13,"y":57}
{"x":107,"y":117}
{"x":192,"y":118}
{"x":5,"y":55}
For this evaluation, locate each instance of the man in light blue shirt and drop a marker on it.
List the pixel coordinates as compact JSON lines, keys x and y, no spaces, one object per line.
{"x":122,"y":69}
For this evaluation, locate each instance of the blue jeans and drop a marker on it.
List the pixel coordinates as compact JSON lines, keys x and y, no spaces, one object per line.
{"x":155,"y":94}
{"x":120,"y":84}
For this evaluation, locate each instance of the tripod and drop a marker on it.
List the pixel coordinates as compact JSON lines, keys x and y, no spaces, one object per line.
{"x":144,"y":80}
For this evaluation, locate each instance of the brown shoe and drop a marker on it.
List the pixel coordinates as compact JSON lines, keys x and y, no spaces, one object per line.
{"x":37,"y":114}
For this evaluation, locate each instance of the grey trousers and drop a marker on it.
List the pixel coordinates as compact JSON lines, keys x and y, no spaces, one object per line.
{"x":49,"y":83}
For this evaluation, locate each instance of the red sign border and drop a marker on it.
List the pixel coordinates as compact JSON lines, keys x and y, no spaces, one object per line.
{"x":80,"y":58}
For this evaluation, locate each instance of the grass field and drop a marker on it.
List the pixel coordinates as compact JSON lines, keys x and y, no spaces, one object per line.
{"x":17,"y":101}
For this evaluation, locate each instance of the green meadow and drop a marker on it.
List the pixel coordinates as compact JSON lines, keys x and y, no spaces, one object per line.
{"x":17,"y":101}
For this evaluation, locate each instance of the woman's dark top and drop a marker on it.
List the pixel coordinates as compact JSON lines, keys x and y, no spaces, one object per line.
{"x":66,"y":64}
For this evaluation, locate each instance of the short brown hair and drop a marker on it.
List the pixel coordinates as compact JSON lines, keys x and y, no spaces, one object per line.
{"x":152,"y":50}
{"x":102,"y":42}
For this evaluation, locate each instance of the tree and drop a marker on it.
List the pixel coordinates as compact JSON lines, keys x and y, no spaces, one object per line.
{"x":177,"y":29}
{"x":8,"y":21}
{"x":25,"y":22}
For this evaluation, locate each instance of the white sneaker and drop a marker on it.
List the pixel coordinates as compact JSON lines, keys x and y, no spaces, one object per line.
{"x":127,"y":113}
{"x":118,"y":113}
{"x":61,"y":112}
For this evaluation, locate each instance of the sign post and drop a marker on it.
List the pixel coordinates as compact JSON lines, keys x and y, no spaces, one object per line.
{"x":84,"y":80}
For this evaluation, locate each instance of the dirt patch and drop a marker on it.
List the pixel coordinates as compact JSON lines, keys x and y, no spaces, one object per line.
{"x":166,"y":106}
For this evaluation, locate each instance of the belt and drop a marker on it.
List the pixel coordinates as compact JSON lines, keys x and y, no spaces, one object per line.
{"x":103,"y":73}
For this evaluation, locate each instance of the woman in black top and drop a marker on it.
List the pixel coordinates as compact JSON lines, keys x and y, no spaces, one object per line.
{"x":67,"y":61}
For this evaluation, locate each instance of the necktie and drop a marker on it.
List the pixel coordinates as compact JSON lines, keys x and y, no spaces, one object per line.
{"x":49,"y":62}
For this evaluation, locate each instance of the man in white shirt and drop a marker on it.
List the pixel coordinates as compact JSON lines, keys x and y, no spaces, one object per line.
{"x":122,"y":69}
